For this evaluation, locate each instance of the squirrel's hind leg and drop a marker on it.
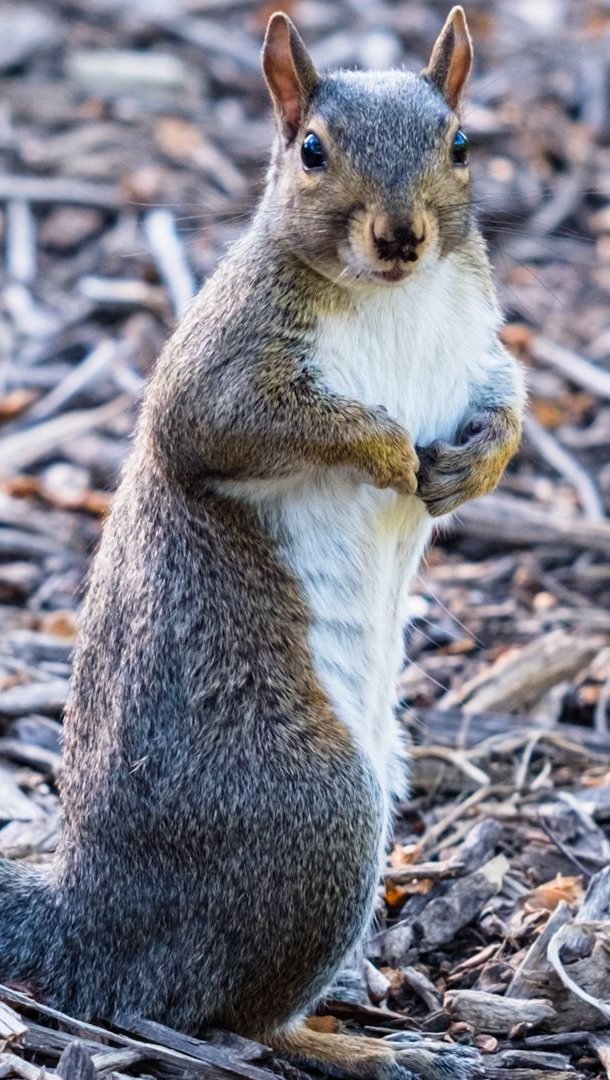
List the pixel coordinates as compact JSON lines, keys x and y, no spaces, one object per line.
{"x":377,"y":1059}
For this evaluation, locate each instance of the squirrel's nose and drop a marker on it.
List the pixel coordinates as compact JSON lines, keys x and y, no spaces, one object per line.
{"x":395,"y":240}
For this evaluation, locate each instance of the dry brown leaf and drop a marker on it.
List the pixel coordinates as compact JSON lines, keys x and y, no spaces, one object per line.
{"x":596,"y":780}
{"x":13,"y":404}
{"x":551,"y":414}
{"x":517,"y":336}
{"x":177,"y":138}
{"x":458,"y":648}
{"x":547,"y":896}
{"x":61,"y":623}
{"x":395,"y":978}
{"x":404,"y":855}
{"x":487,"y":1044}
{"x":21,"y":486}
{"x":395,"y":895}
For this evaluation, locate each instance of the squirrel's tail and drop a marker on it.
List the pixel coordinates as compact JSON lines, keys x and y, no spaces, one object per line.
{"x":25,"y":922}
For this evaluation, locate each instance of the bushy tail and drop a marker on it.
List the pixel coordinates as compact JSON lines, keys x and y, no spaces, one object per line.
{"x":25,"y":915}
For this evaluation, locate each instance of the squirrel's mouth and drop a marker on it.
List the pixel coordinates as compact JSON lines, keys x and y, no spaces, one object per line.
{"x":396,"y":274}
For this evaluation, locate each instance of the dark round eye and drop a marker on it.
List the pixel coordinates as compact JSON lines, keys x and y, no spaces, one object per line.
{"x":312,"y":152}
{"x":460,"y":148}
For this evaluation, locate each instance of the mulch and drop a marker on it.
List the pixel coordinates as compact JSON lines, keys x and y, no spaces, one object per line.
{"x":133,"y":141}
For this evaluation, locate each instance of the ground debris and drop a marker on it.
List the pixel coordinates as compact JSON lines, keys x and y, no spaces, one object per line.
{"x":133,"y":140}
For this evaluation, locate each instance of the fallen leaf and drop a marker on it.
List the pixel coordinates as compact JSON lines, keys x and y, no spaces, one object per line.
{"x":487,"y":1044}
{"x":13,"y":404}
{"x":404,"y":855}
{"x":547,"y":896}
{"x":61,"y":623}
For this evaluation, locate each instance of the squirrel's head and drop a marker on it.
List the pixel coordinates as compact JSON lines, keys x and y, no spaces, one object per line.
{"x":369,"y":179}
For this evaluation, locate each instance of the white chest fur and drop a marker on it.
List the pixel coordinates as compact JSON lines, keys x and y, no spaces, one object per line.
{"x":417,"y":351}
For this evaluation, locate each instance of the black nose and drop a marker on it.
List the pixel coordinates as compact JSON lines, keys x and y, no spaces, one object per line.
{"x":396,"y":242}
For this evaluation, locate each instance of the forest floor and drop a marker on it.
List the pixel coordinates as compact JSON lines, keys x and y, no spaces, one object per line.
{"x":133,"y":142}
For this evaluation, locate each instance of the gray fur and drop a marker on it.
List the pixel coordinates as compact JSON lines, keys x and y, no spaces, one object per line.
{"x":362,"y":108}
{"x":193,"y":793}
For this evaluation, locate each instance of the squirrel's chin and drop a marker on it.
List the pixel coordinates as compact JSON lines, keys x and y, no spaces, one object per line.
{"x":390,"y":277}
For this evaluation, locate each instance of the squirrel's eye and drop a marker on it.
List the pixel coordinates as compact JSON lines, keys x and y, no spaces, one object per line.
{"x":312,"y":152}
{"x":460,"y":148}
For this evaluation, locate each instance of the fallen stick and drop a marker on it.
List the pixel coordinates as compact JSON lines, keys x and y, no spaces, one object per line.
{"x":575,"y":368}
{"x":522,"y":676}
{"x":567,"y":466}
{"x":20,"y":242}
{"x":44,"y":697}
{"x":84,"y":374}
{"x":494,"y":1014}
{"x":26,"y":447}
{"x":202,"y":1059}
{"x":168,"y":253}
{"x":535,"y":959}
{"x":123,"y":293}
{"x":454,"y":728}
{"x":57,"y":190}
{"x":76,"y":1063}
{"x":507,"y":521}
{"x":428,"y":871}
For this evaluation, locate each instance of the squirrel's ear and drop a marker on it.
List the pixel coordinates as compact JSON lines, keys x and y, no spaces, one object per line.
{"x":451,"y":58}
{"x":289,"y":71}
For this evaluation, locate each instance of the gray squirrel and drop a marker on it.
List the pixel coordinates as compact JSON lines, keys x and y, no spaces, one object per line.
{"x":231,"y":750}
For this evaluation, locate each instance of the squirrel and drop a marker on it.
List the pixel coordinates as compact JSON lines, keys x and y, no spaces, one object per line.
{"x":231,"y":749}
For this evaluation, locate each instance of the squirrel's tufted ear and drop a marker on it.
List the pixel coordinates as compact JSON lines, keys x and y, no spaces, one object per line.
{"x":289,"y":71}
{"x":451,"y":58}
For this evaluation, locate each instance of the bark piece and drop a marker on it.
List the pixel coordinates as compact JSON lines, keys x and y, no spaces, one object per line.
{"x":524,"y":675}
{"x":494,"y":1014}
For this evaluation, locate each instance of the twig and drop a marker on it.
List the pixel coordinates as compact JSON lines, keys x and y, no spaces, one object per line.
{"x":200,"y":1058}
{"x":456,"y":758}
{"x":123,"y":293}
{"x":575,"y":368}
{"x":433,"y":871}
{"x":168,"y":253}
{"x":26,"y":447}
{"x":84,"y":374}
{"x":565,"y":851}
{"x":20,"y":242}
{"x":554,"y":957}
{"x":57,"y":190}
{"x":507,"y":520}
{"x":602,"y":709}
{"x":567,"y":466}
{"x":457,"y":811}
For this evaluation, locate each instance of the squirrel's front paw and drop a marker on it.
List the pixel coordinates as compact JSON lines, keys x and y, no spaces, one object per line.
{"x":397,"y":466}
{"x":450,"y":474}
{"x":446,"y":477}
{"x":393,"y":461}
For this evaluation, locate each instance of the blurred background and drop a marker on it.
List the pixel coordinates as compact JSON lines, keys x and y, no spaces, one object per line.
{"x":134,"y":136}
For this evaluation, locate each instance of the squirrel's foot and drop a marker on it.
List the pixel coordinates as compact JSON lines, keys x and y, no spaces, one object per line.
{"x":450,"y":474}
{"x":435,"y":1060}
{"x":401,"y":1057}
